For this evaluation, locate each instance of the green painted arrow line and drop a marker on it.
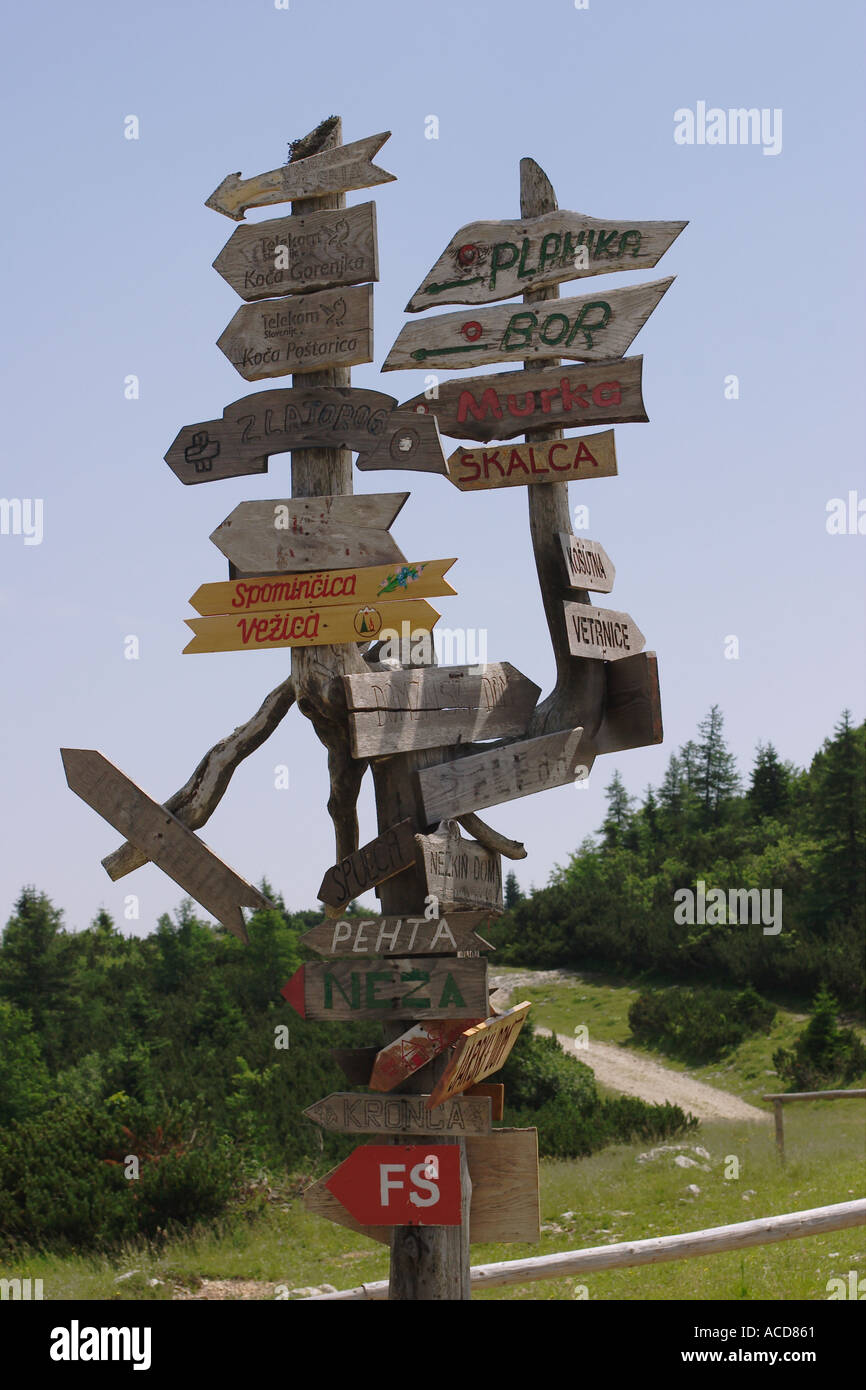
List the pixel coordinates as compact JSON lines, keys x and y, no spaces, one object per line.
{"x":452,"y":285}
{"x":420,"y":353}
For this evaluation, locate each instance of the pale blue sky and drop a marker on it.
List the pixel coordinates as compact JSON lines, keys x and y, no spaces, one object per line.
{"x":716,"y":523}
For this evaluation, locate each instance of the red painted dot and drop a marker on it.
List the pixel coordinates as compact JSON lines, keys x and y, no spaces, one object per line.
{"x":471,"y":330}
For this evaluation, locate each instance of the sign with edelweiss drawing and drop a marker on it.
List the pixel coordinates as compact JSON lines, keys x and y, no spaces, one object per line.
{"x":334,"y":170}
{"x":426,"y":707}
{"x":495,"y":260}
{"x":303,"y":332}
{"x":399,"y":1059}
{"x":323,"y":589}
{"x":502,"y":774}
{"x":398,"y":936}
{"x":482,"y":1050}
{"x":587,"y":564}
{"x":588,"y":328}
{"x":307,"y":627}
{"x":503,"y":404}
{"x":310,"y":533}
{"x":346,"y":1112}
{"x":521,"y":465}
{"x":601,"y":632}
{"x":445,"y":987}
{"x":285,"y":418}
{"x":287,"y":255}
{"x":383,"y":857}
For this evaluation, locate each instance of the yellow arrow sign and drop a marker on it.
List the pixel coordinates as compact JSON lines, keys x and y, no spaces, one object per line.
{"x":308,"y":627}
{"x":366,"y":584}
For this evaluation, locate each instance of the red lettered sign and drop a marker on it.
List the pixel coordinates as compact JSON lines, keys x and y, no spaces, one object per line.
{"x":400,"y":1184}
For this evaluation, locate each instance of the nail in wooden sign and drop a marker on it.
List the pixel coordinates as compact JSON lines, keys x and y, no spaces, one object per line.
{"x":304,"y":332}
{"x":405,"y":936}
{"x":286,"y":418}
{"x":413,"y":1049}
{"x":367,"y":584}
{"x":587,"y":564}
{"x":310,"y":533}
{"x":307,"y":627}
{"x":161,"y":837}
{"x":502,"y":774}
{"x":373,"y":863}
{"x":481,"y":1051}
{"x":346,"y":1112}
{"x":505,"y":404}
{"x":400,"y":1184}
{"x":396,"y":711}
{"x":503,"y":1169}
{"x":519,"y":465}
{"x":331,"y":171}
{"x":591,"y":327}
{"x":601,"y":633}
{"x":460,"y":873}
{"x":495,"y":260}
{"x":288,"y":255}
{"x":442,"y":988}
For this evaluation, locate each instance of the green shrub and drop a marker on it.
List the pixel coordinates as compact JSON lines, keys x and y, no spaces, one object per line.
{"x":698,"y":1024}
{"x":824,"y":1053}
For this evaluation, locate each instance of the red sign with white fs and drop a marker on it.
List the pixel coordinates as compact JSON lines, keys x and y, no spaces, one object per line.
{"x":400,"y":1184}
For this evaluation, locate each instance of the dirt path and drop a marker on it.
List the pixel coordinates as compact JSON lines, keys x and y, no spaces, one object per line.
{"x":620,"y":1069}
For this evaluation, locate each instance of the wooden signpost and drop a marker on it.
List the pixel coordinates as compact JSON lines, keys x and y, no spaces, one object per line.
{"x":288,"y":255}
{"x":285,"y":418}
{"x":460,"y":873}
{"x":363,"y":584}
{"x":519,"y":465}
{"x":587,"y":328}
{"x":601,"y":632}
{"x":506,"y":404}
{"x":440,"y":987}
{"x":330,"y":171}
{"x":395,"y":711}
{"x":502,"y":774}
{"x":310,"y":533}
{"x":587,"y":564}
{"x":481,"y":1051}
{"x":161,"y":837}
{"x":494,"y":260}
{"x":383,"y":857}
{"x":348,"y":1113}
{"x":307,"y":627}
{"x":330,"y":328}
{"x":319,"y":572}
{"x":404,"y":936}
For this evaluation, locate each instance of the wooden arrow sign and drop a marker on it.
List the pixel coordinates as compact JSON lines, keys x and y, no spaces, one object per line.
{"x":161,"y":837}
{"x":601,"y":632}
{"x":413,"y":1049}
{"x":443,"y":988}
{"x":396,"y":711}
{"x":308,"y":627}
{"x":285,"y":418}
{"x":346,"y":1112}
{"x":288,"y":255}
{"x":502,"y":774}
{"x":332,"y":171}
{"x":520,"y":465}
{"x":632,"y":707}
{"x":588,"y":328}
{"x":404,"y":936}
{"x":460,"y":873}
{"x":587,"y":564}
{"x":325,"y":588}
{"x":481,"y":1051}
{"x":383,"y":857}
{"x":400,"y":1184}
{"x":505,"y":404}
{"x":303,"y":332}
{"x":495,"y":260}
{"x":310,"y":533}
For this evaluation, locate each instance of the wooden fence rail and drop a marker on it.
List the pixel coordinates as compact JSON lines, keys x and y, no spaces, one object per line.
{"x":767,"y":1230}
{"x":781,"y":1097}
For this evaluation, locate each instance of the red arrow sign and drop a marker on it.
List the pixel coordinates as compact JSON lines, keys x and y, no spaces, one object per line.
{"x":400,"y":1184}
